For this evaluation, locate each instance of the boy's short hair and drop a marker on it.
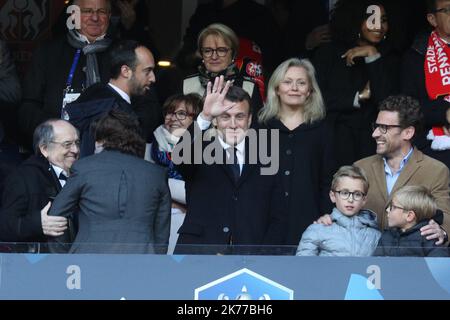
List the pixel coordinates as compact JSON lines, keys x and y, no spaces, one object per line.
{"x":353,"y":172}
{"x":418,"y":199}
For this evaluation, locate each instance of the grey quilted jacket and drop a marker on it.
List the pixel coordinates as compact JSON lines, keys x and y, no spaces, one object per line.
{"x":347,"y":236}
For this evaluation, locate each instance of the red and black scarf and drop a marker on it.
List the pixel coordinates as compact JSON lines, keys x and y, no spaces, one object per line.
{"x":437,"y":78}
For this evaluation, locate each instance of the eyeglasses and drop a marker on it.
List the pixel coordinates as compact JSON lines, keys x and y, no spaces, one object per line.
{"x":180,"y":115}
{"x":384,"y":127}
{"x":90,"y":12}
{"x":68,"y":144}
{"x":356,"y":195}
{"x":392,"y":207}
{"x":443,"y":10}
{"x":208,"y":52}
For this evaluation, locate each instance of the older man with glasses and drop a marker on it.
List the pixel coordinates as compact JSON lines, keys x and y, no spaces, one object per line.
{"x":31,"y":188}
{"x":64,"y":67}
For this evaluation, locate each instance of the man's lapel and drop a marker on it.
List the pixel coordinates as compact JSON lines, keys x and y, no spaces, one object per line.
{"x":408,"y":171}
{"x":55,"y":179}
{"x":380,"y":178}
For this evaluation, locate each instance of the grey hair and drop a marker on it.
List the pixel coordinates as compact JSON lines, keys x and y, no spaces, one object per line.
{"x":314,"y":109}
{"x":44,"y":134}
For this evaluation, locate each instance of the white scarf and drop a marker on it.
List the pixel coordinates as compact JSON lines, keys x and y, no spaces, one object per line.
{"x":166,"y":140}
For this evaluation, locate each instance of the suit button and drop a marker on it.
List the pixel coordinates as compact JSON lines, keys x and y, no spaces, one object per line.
{"x":289,"y":152}
{"x":235,"y":198}
{"x":287,"y":173}
{"x":291,"y":135}
{"x":286,"y":194}
{"x":226,"y":229}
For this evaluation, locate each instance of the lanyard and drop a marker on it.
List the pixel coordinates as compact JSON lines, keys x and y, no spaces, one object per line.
{"x":72,"y":69}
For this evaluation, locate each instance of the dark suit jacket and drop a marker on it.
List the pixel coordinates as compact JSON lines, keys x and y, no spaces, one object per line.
{"x":28,"y":190}
{"x":145,"y":107}
{"x":123,"y":204}
{"x":223,"y":212}
{"x":419,"y":170}
{"x":93,"y":103}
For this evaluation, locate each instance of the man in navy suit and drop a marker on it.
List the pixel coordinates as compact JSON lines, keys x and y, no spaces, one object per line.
{"x":132,"y":76}
{"x":229,"y":202}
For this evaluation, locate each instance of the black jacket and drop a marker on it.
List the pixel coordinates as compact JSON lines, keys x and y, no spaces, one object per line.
{"x":223,"y":212}
{"x":95,"y":101}
{"x":394,"y":242}
{"x":29,"y":189}
{"x":413,"y":84}
{"x":307,"y":165}
{"x":339,"y":85}
{"x":46,"y":80}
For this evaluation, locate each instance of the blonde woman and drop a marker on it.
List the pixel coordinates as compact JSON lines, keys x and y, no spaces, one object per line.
{"x":295,"y":108}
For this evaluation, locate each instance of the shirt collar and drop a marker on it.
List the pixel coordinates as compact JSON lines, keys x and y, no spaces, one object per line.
{"x":240,"y":147}
{"x":58,"y":171}
{"x":402,"y":164}
{"x":122,"y":93}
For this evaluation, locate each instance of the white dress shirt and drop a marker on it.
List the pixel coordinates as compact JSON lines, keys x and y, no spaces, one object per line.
{"x":122,"y":93}
{"x":58,"y":171}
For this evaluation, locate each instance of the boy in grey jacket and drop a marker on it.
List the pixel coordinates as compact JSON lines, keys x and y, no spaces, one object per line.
{"x":354,"y":232}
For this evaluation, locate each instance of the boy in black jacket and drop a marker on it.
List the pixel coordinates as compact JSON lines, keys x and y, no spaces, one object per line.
{"x":411,"y":208}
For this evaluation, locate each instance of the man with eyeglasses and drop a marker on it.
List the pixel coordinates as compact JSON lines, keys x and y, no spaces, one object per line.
{"x":33,"y":185}
{"x":64,"y":67}
{"x":398,"y":163}
{"x":426,"y":76}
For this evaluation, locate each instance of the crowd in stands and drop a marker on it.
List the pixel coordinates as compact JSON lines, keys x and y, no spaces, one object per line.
{"x":297,"y":128}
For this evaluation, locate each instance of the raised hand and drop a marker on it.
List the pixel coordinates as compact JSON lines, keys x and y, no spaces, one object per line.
{"x":214,"y":104}
{"x":364,"y":51}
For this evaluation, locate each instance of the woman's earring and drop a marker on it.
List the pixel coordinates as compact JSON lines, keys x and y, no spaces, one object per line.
{"x":385,"y":37}
{"x":359,"y":35}
{"x":203,"y":61}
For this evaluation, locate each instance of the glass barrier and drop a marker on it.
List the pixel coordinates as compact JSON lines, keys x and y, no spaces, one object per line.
{"x":219,"y":250}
